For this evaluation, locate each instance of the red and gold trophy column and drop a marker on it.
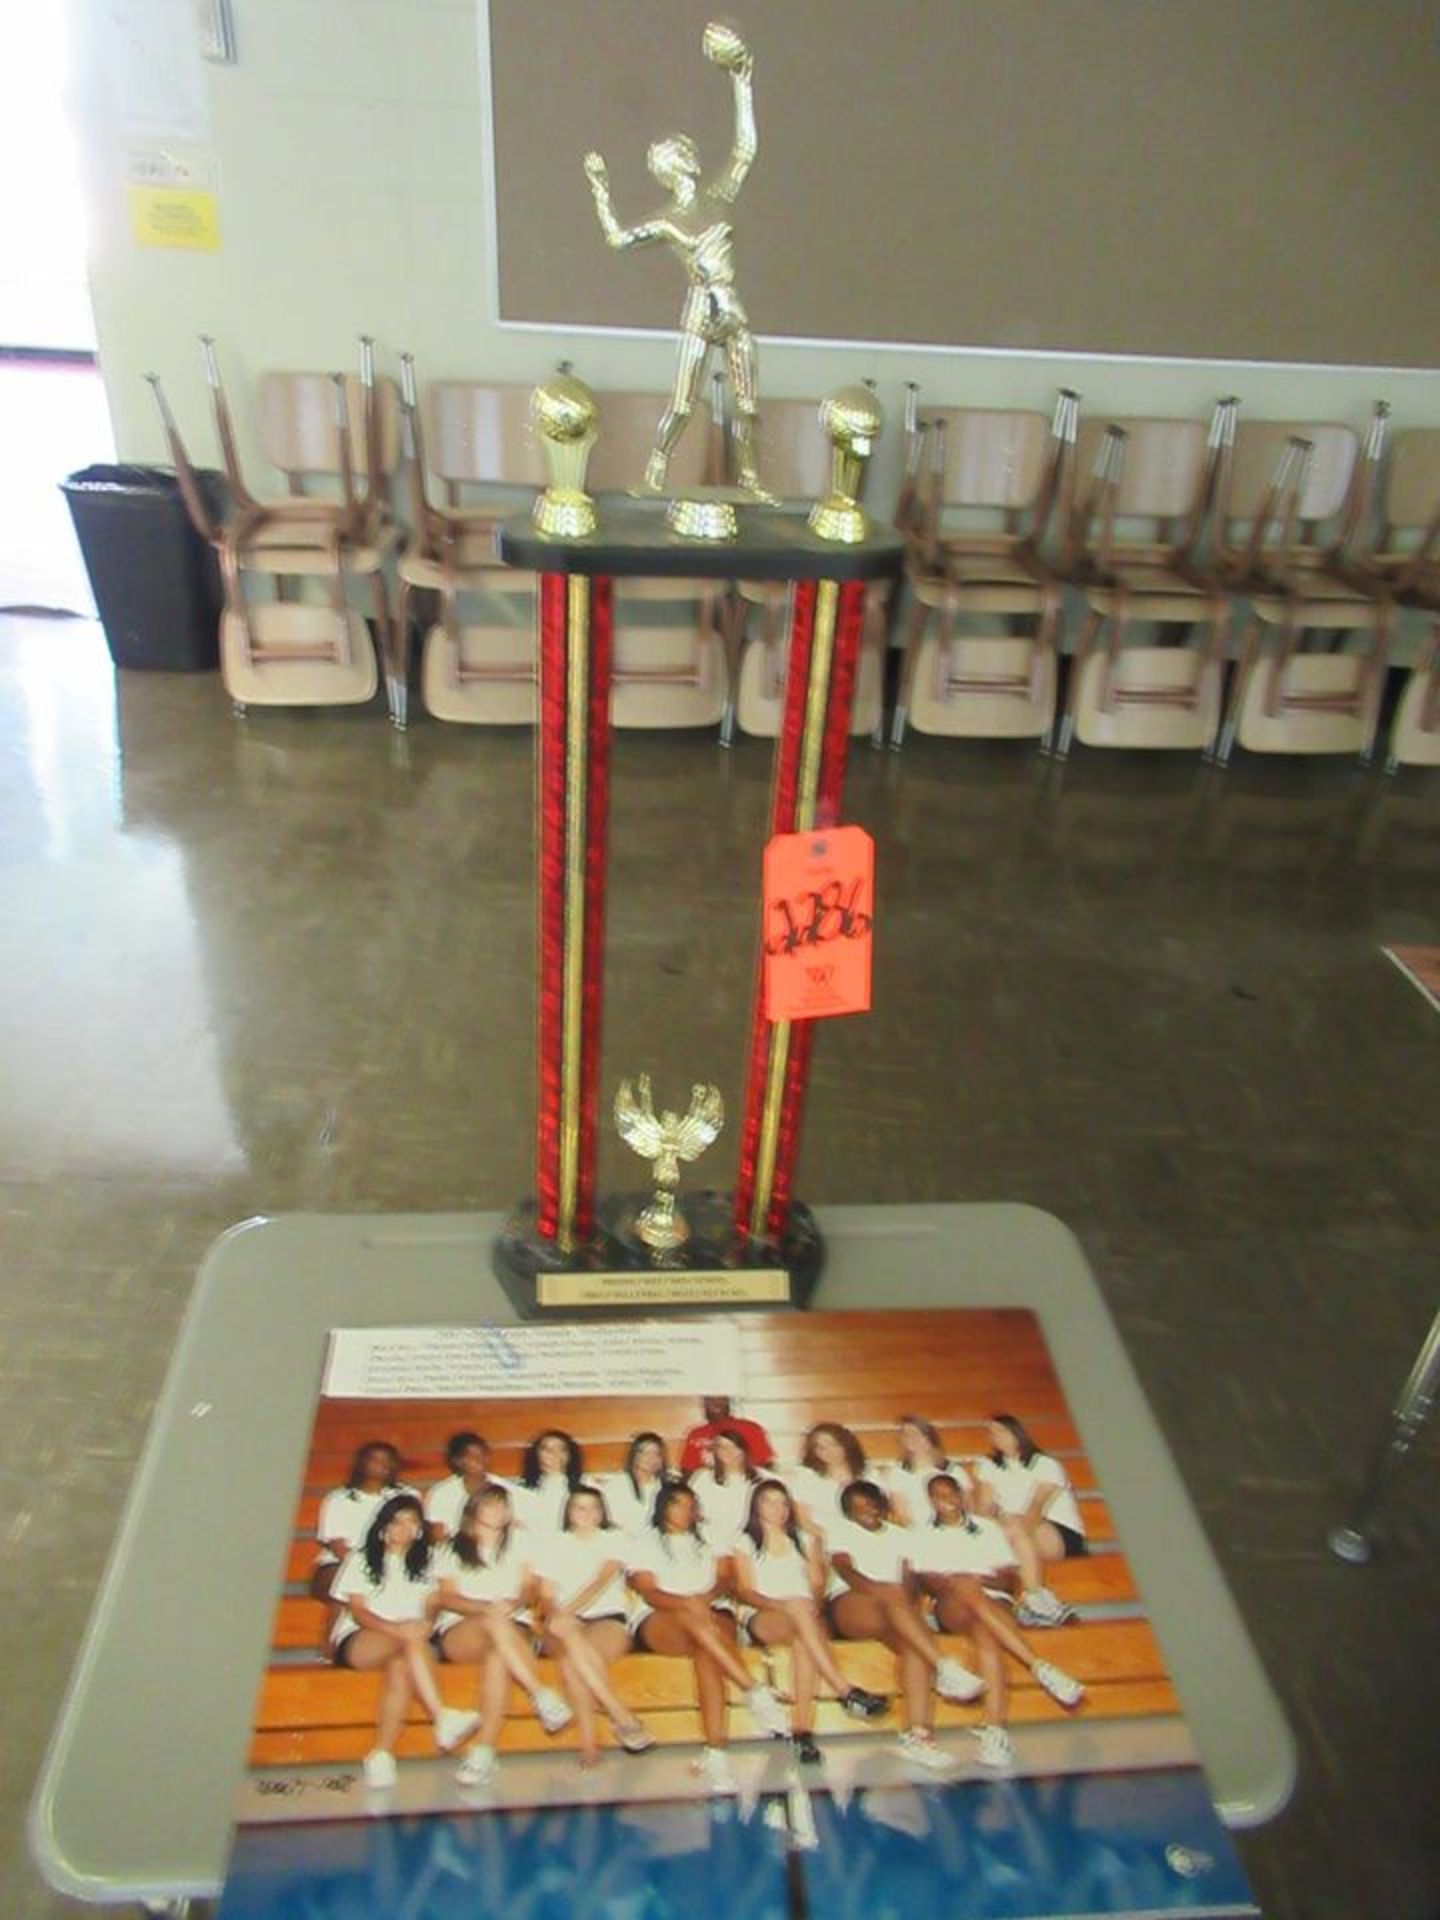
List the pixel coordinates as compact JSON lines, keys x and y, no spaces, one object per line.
{"x":826,"y":620}
{"x":572,"y":799}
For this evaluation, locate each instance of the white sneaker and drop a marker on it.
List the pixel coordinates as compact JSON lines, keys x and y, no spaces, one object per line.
{"x":1058,"y":1685}
{"x":715,"y":1770}
{"x":922,"y":1750}
{"x":1042,"y":1608}
{"x":957,"y":1682}
{"x":770,"y":1715}
{"x":552,"y":1710}
{"x":453,"y":1726}
{"x":479,"y":1766}
{"x":993,"y":1746}
{"x":379,"y":1769}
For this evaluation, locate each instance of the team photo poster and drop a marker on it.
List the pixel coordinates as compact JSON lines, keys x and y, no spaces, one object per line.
{"x":769,"y":1615}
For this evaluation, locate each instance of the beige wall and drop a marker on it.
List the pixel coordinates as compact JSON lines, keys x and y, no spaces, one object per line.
{"x":350,"y":140}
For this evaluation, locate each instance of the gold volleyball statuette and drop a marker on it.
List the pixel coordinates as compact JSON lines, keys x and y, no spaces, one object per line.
{"x":851,"y":420}
{"x":667,"y":1141}
{"x":697,"y":226}
{"x":564,"y":414}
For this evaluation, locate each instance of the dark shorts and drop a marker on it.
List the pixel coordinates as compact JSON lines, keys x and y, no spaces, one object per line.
{"x":340,"y":1651}
{"x":1075,"y":1543}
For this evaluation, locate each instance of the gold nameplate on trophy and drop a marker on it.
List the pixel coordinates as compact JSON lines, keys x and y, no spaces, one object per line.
{"x":679,"y":1287}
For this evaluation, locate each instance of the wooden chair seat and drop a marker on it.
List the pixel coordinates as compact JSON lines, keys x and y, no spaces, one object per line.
{"x":282,"y":555}
{"x":471,"y":553}
{"x":1153,"y":592}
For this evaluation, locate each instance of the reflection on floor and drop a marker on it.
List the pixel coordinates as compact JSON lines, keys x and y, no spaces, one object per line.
{"x":287,"y":964}
{"x":53,"y":421}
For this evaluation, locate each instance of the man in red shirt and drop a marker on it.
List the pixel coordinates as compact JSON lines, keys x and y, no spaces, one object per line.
{"x":718,"y":1419}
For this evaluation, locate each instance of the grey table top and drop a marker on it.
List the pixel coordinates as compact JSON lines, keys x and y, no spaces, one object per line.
{"x":134,"y":1801}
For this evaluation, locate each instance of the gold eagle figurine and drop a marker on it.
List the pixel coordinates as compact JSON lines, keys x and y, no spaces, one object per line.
{"x":666,"y":1141}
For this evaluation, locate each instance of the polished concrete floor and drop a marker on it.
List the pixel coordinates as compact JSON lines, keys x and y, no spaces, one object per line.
{"x":287,"y":964}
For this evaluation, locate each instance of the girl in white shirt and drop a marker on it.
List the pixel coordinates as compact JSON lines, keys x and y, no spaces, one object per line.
{"x":552,"y":1468}
{"x":583,"y":1601}
{"x":780,"y":1572}
{"x":724,"y":1489}
{"x":468,"y":1458}
{"x":954,"y":1559}
{"x":346,"y":1512}
{"x":832,"y":1460}
{"x":630,"y":1495}
{"x":871,"y":1555}
{"x":485,"y":1578}
{"x":922,"y":1456}
{"x":1029,"y":1493}
{"x":678,"y":1577}
{"x":385,"y":1591}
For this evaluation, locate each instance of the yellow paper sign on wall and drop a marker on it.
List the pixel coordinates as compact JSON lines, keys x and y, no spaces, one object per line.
{"x":175,"y":217}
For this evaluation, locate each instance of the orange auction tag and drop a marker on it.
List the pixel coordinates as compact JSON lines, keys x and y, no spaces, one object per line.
{"x":819,"y":918}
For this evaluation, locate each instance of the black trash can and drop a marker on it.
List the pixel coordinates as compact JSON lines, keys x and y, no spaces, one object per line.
{"x":156,"y":581}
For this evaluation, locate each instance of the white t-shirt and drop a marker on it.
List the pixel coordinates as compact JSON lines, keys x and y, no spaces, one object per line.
{"x":445,"y":1501}
{"x":632,"y":1513}
{"x":778,"y":1576}
{"x":819,"y":1495}
{"x":910,"y":1487}
{"x":979,"y":1548}
{"x":570,"y":1561}
{"x":503,"y":1579}
{"x":541,"y":1510}
{"x":724,"y":1505}
{"x":880,"y":1555}
{"x":1014,"y":1488}
{"x":680,"y":1563}
{"x":397,"y":1597}
{"x":346,"y":1513}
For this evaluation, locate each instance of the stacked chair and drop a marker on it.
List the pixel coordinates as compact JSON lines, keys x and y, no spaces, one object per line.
{"x":477,"y":665}
{"x":966,"y":470}
{"x":794,"y":459}
{"x":289,"y":649}
{"x":669,"y":662}
{"x":1142,"y":504}
{"x":1289,"y":536}
{"x":1404,"y":563}
{"x":478,"y":654}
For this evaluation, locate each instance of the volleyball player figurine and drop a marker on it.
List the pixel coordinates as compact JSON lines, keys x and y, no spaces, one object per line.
{"x":698,"y":229}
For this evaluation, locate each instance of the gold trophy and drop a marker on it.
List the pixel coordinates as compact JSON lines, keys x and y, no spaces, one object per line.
{"x":564,"y":414}
{"x":697,"y":227}
{"x":667,"y":1141}
{"x":851,"y":420}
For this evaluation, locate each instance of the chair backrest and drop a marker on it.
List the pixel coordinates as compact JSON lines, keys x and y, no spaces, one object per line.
{"x":1164,"y":469}
{"x":994,"y":457}
{"x":1259,"y":448}
{"x":627,"y":435}
{"x":297,"y":428}
{"x":1412,"y":484}
{"x":479,"y":434}
{"x":793,"y":452}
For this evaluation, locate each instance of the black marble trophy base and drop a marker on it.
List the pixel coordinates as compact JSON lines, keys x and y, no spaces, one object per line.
{"x":616,"y":1273}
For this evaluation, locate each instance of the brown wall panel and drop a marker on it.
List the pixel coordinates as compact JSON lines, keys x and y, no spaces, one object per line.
{"x":1205,"y":178}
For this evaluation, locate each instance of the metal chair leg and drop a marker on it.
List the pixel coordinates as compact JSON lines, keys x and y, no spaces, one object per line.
{"x":914,"y":632}
{"x":1352,"y":1541}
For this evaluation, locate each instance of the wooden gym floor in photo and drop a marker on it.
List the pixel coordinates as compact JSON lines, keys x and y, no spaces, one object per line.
{"x":288,"y":965}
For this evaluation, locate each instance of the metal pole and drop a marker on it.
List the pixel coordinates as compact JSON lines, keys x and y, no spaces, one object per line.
{"x":1351,"y":1542}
